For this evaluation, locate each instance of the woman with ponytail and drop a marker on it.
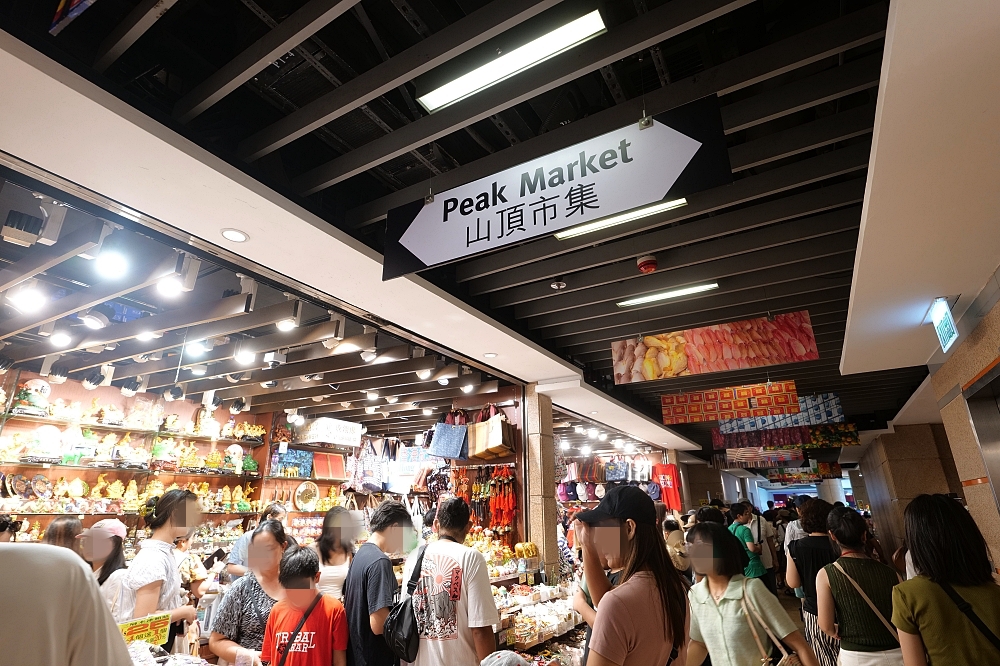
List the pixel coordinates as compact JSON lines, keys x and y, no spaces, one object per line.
{"x":642,"y":621}
{"x":153,"y":575}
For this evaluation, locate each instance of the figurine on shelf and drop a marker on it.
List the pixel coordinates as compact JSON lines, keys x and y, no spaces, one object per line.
{"x":110,"y":415}
{"x":227,"y":430}
{"x":61,"y":489}
{"x":78,"y":488}
{"x":233,"y":461}
{"x":116,"y":490}
{"x":44,"y":446}
{"x":95,"y":492}
{"x":104,"y":453}
{"x":281,"y":433}
{"x":131,"y":497}
{"x":10,"y":448}
{"x":153,"y":489}
{"x":188,"y":458}
{"x":172,"y":423}
{"x":32,"y":398}
{"x":249,"y":465}
{"x":172,"y":486}
{"x":214,"y":460}
{"x":164,"y":454}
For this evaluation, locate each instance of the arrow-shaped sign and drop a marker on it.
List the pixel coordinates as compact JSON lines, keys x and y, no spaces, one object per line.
{"x":619,"y":171}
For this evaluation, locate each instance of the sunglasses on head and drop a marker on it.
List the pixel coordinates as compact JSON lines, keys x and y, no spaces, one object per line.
{"x":10,"y":525}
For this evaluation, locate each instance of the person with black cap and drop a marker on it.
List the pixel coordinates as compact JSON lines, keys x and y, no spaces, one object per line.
{"x":643,"y":620}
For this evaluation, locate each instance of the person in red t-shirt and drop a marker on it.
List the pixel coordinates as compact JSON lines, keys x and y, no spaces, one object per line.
{"x":322,"y":640}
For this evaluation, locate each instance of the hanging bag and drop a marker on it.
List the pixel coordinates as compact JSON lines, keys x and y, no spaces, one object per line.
{"x":966,"y":608}
{"x":451,"y":437}
{"x":479,"y":435}
{"x":371,"y":469}
{"x":787,"y":658}
{"x":298,"y":628}
{"x":616,"y":470}
{"x":400,"y":628}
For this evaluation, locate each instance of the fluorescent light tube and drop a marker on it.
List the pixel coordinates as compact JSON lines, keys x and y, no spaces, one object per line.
{"x":547,"y":46}
{"x":621,"y":218}
{"x":664,"y":295}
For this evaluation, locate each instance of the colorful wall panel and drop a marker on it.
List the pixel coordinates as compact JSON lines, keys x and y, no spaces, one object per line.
{"x":813,"y":410}
{"x":769,"y":399}
{"x":738,"y":345}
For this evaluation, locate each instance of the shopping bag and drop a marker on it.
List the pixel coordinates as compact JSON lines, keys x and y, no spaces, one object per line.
{"x":616,"y":470}
{"x":501,"y":436}
{"x":450,"y":441}
{"x":370,"y":464}
{"x":479,"y":440}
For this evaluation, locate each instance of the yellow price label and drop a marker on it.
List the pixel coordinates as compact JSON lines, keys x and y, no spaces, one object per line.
{"x":523,"y":578}
{"x":154,"y":629}
{"x":531,"y":579}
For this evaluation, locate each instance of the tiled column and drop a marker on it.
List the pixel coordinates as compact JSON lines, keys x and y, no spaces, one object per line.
{"x":858,"y":486}
{"x":541,"y":500}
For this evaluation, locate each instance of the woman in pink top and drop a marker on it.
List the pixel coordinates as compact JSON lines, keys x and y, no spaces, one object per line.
{"x":643,"y":621}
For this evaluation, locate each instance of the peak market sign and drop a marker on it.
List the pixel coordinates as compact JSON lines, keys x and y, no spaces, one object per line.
{"x":678,"y":153}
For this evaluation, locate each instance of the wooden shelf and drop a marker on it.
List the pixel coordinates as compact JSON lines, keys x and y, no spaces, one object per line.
{"x":129,"y":470}
{"x":63,"y":423}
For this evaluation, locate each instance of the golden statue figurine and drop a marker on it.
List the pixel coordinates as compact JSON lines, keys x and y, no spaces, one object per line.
{"x":116,"y":490}
{"x":95,"y":492}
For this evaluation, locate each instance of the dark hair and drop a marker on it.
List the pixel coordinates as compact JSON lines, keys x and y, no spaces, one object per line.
{"x":725,"y":547}
{"x":648,"y":551}
{"x":770,"y":504}
{"x":709,"y":514}
{"x":273,"y":510}
{"x":453,"y":514}
{"x":298,"y":562}
{"x":838,"y":504}
{"x":718,"y":503}
{"x":158,"y":510}
{"x":429,"y":517}
{"x":945,"y":542}
{"x":63,"y":532}
{"x":813,"y":515}
{"x":739,"y":509}
{"x":388,"y":514}
{"x":847,"y":526}
{"x":332,"y":539}
{"x":661,"y":512}
{"x":670,"y":525}
{"x":114,"y":561}
{"x":275,"y":529}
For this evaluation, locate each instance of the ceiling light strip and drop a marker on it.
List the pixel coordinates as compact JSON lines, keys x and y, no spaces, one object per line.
{"x":666,"y":295}
{"x":621,"y":218}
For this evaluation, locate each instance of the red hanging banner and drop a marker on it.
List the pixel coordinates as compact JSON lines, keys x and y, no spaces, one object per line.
{"x":771,"y":399}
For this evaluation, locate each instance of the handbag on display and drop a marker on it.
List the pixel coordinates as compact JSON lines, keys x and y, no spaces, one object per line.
{"x":400,"y":476}
{"x":616,"y":469}
{"x":479,"y":435}
{"x":572,"y":473}
{"x":372,"y":470}
{"x":787,"y":658}
{"x":450,"y":441}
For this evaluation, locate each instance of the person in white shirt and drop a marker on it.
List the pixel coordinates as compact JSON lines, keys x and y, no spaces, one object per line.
{"x":763,"y":533}
{"x":794,"y":531}
{"x":51,"y":611}
{"x":453,"y":601}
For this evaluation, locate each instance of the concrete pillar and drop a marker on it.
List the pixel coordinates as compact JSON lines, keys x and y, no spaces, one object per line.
{"x":686,"y":501}
{"x":541,"y":458}
{"x":858,"y":487}
{"x":897,"y":467}
{"x":831,"y":490}
{"x":705,"y":483}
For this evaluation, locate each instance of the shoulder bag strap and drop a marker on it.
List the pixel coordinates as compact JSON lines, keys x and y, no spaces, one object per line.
{"x":415,"y":576}
{"x":966,"y":608}
{"x":753,"y":608}
{"x":765,"y":656}
{"x":295,"y":634}
{"x":888,"y":625}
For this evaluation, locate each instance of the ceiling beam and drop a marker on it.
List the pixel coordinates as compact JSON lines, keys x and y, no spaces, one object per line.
{"x":163,"y":260}
{"x":199,"y":313}
{"x":40,"y":258}
{"x":328,"y":366}
{"x":801,"y":277}
{"x":639,"y":34}
{"x":457,"y":38}
{"x":126,"y":33}
{"x":613,"y":261}
{"x":291,"y":32}
{"x":434,"y":397}
{"x":773,"y":181}
{"x":778,"y":245}
{"x":826,"y":86}
{"x":392,"y":386}
{"x":811,"y":301}
{"x":132,"y":348}
{"x":841,"y":34}
{"x":809,"y":136}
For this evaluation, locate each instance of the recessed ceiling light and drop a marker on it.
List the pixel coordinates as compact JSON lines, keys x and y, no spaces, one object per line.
{"x":392,"y":399}
{"x":97,"y":317}
{"x":629,"y":447}
{"x":27,"y":299}
{"x":558,"y":285}
{"x":579,"y":430}
{"x":198,"y":370}
{"x":467,"y":388}
{"x":618,"y":444}
{"x":427,"y":411}
{"x":286,"y":324}
{"x":517,"y":60}
{"x":60,"y":339}
{"x":235,"y":235}
{"x":372,"y":395}
{"x":111,"y":265}
{"x":423,"y":374}
{"x":196,"y":348}
{"x":490,"y":355}
{"x":585,"y":450}
{"x":603,"y":437}
{"x":146,"y":336}
{"x":245,"y":357}
{"x":370,"y":409}
{"x":170,"y":286}
{"x":665,"y":295}
{"x":594,"y":412}
{"x":621,"y":218}
{"x":592,"y":433}
{"x":443,"y":381}
{"x":563,"y":446}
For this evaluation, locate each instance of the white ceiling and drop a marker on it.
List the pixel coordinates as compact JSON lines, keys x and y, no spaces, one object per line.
{"x":67,"y":126}
{"x":922,"y":407}
{"x":932,"y":205}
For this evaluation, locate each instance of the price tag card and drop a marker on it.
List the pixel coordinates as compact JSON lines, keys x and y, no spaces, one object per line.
{"x":153,"y":629}
{"x":282,"y":447}
{"x":531,"y":579}
{"x":523,"y":578}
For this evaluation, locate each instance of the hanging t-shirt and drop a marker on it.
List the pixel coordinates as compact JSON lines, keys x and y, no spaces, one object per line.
{"x":453,"y":594}
{"x":324,"y":631}
{"x":370,"y":587}
{"x":670,"y":485}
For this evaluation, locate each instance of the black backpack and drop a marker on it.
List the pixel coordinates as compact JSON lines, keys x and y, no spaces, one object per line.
{"x":400,"y":629}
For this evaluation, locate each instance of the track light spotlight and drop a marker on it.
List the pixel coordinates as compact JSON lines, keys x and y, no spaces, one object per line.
{"x":93,"y":380}
{"x":443,"y":381}
{"x":131,"y":387}
{"x":468,"y":388}
{"x":392,"y":399}
{"x":174,"y":393}
{"x":238,"y":406}
{"x":98,"y":316}
{"x":269,"y":384}
{"x":370,"y":409}
{"x":58,"y":376}
{"x":198,"y":370}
